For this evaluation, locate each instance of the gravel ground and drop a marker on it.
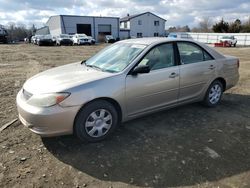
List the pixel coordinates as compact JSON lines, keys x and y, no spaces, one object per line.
{"x":189,"y":146}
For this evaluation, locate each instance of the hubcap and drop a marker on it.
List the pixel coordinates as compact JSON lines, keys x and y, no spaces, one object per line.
{"x":215,"y":94}
{"x":98,"y":123}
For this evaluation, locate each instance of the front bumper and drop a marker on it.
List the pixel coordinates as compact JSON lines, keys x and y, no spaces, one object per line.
{"x":66,"y":42}
{"x":84,"y":42}
{"x":46,"y":42}
{"x":51,"y":121}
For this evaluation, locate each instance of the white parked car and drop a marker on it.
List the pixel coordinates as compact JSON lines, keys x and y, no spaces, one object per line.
{"x":79,"y":39}
{"x":229,"y":39}
{"x":64,"y":39}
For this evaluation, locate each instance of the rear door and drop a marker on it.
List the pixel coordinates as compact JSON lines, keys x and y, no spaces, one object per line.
{"x":159,"y":87}
{"x":197,"y":69}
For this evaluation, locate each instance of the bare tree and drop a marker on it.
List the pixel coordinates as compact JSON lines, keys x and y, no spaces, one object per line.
{"x":18,"y":32}
{"x":205,"y":25}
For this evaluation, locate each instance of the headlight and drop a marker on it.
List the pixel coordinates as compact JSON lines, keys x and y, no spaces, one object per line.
{"x":47,"y":100}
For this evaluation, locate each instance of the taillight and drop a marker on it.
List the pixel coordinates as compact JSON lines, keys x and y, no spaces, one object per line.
{"x":238,"y":63}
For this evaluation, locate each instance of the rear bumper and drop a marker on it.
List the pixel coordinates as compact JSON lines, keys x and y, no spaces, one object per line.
{"x":46,"y":122}
{"x":231,"y":81}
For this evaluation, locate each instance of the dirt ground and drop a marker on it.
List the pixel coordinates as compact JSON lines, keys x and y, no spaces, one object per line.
{"x":189,"y":146}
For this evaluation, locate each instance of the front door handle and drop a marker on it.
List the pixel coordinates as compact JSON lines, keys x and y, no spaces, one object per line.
{"x":173,"y":75}
{"x":211,"y":67}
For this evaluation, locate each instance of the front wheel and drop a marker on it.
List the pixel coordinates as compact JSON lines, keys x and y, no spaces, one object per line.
{"x":213,"y":94}
{"x":96,"y":121}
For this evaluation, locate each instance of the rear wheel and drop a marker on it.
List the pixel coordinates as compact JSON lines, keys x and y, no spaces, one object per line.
{"x":96,"y":121}
{"x":213,"y":94}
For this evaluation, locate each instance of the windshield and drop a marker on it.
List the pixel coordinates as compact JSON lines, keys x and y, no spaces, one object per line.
{"x":45,"y":37}
{"x":227,"y":37}
{"x":82,"y":35}
{"x":109,"y":37}
{"x":64,"y":36}
{"x":116,"y":57}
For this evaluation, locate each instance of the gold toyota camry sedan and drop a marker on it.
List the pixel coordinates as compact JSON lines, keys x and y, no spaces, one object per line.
{"x":128,"y":79}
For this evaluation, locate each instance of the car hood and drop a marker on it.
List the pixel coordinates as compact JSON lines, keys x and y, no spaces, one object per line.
{"x":44,"y":39}
{"x":83,"y":38}
{"x":62,"y":78}
{"x":64,"y":39}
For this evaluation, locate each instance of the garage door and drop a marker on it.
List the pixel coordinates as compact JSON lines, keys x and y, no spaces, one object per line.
{"x":84,"y":28}
{"x":104,"y":29}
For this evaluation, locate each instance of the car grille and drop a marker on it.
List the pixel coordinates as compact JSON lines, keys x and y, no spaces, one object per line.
{"x":85,"y":40}
{"x":66,"y":40}
{"x":26,"y":95}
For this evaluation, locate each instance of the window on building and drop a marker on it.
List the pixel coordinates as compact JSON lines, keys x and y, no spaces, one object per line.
{"x":139,"y":35}
{"x":125,"y":24}
{"x":156,"y":23}
{"x":156,"y":34}
{"x":139,"y":22}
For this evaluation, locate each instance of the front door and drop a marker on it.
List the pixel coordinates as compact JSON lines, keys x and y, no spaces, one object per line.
{"x":159,"y":87}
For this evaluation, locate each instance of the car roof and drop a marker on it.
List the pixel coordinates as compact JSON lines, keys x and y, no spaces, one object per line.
{"x":158,"y":40}
{"x":152,"y":40}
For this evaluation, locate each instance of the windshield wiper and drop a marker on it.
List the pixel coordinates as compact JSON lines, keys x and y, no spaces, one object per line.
{"x":91,"y":66}
{"x":83,"y":62}
{"x":94,"y":66}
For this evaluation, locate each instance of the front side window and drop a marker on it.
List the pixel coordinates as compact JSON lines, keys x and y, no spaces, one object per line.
{"x":191,"y":53}
{"x":159,"y":57}
{"x":115,"y":58}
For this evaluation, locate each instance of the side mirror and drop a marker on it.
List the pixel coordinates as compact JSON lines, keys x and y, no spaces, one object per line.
{"x":140,"y":70}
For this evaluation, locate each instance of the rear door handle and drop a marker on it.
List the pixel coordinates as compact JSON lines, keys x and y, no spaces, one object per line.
{"x":211,"y":67}
{"x":173,"y":75}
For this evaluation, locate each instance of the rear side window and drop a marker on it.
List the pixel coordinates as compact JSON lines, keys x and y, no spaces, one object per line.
{"x":191,"y":53}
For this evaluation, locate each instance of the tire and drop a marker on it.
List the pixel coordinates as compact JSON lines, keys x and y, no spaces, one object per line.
{"x":235,"y":45}
{"x":90,"y":121}
{"x":213,"y":94}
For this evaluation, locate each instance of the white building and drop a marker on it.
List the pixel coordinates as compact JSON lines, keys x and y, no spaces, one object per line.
{"x":89,"y":25}
{"x":145,"y":24}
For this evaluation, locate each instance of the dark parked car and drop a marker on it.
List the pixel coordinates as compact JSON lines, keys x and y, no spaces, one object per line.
{"x":64,"y":39}
{"x":45,"y":40}
{"x":3,"y":35}
{"x":109,"y":39}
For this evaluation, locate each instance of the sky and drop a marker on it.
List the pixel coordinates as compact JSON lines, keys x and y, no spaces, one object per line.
{"x":176,"y":12}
